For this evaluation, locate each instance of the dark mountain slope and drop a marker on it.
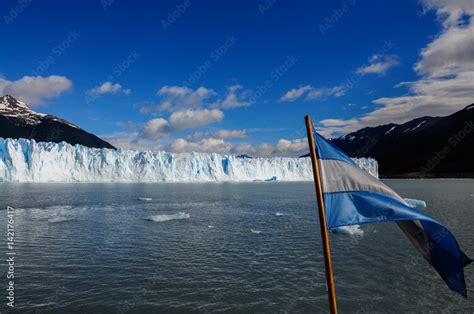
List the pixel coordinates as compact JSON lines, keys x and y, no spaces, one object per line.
{"x":423,"y":147}
{"x":17,"y":120}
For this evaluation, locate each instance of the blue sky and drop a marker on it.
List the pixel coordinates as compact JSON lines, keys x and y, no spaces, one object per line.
{"x":235,"y":76}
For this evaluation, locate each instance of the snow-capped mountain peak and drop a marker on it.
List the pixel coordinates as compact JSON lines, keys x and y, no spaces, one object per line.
{"x":11,"y":107}
{"x":17,"y":120}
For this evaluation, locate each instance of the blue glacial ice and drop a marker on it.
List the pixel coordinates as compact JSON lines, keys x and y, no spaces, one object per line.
{"x":418,"y":204}
{"x":25,"y":160}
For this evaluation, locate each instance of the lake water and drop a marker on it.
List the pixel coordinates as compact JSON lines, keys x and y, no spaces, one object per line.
{"x":99,"y":248}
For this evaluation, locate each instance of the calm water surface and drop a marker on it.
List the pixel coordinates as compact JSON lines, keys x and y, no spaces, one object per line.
{"x":97,"y":248}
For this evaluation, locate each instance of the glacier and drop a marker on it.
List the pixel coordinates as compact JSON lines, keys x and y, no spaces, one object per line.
{"x":24,"y":160}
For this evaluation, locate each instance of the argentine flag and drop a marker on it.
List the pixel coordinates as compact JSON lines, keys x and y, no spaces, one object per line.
{"x":353,"y":196}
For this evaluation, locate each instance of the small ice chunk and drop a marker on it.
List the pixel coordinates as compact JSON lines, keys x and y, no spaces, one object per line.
{"x":350,"y":230}
{"x":163,"y":218}
{"x":145,"y":199}
{"x":59,"y":219}
{"x":417,"y":204}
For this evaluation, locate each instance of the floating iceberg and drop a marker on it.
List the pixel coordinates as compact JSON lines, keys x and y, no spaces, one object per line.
{"x":145,"y":199}
{"x":59,"y":219}
{"x":163,"y":218}
{"x":25,"y":160}
{"x":351,"y":230}
{"x":418,"y":204}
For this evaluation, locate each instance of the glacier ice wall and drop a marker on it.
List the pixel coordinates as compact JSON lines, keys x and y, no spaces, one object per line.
{"x":25,"y":160}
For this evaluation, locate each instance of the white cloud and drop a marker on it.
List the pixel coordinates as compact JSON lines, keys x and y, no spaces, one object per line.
{"x":127,"y":126}
{"x":221,"y":134}
{"x":336,"y":122}
{"x":149,"y":138}
{"x":449,"y":11}
{"x":309,"y":93}
{"x":176,"y":91}
{"x":291,"y":146}
{"x":208,"y":145}
{"x":295,"y":93}
{"x":178,"y":98}
{"x":335,"y":127}
{"x":231,"y":134}
{"x":336,"y":91}
{"x":379,"y":64}
{"x":108,"y":88}
{"x":445,"y":69}
{"x":128,"y":144}
{"x":188,"y":119}
{"x":126,"y":140}
{"x":232,"y":100}
{"x":155,"y":128}
{"x":35,"y":90}
{"x":283,"y":147}
{"x":449,"y":53}
{"x":175,"y":98}
{"x":178,"y":121}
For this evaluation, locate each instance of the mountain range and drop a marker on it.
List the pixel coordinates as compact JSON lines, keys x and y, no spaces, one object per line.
{"x":17,"y":120}
{"x":423,"y":147}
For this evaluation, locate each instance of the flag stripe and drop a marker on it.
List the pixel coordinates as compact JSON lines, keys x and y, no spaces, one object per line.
{"x":328,"y":151}
{"x":339,"y":176}
{"x":359,"y":207}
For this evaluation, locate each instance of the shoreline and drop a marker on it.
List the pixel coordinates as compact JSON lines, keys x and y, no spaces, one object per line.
{"x":428,"y":176}
{"x":212,"y":182}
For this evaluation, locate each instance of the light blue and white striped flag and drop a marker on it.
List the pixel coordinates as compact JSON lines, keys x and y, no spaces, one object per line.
{"x":353,"y":196}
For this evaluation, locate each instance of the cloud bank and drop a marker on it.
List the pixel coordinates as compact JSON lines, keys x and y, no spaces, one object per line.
{"x":445,"y":69}
{"x":36,"y":90}
{"x":310,"y":93}
{"x":108,"y":88}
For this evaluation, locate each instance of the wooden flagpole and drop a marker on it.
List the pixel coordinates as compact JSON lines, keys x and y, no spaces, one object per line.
{"x":322,"y":216}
